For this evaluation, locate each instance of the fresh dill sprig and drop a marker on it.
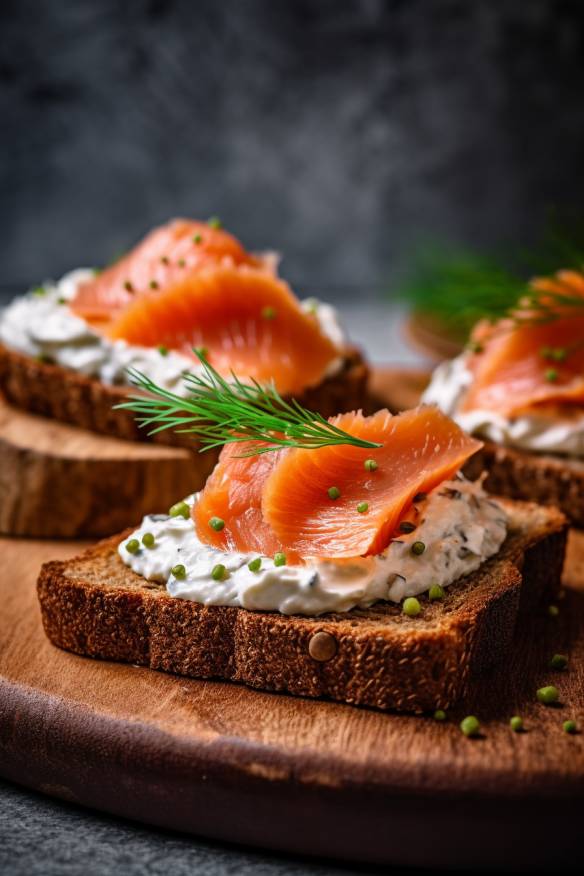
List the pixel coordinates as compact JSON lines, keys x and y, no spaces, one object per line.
{"x":540,"y":306}
{"x":219,"y":412}
{"x":460,"y":287}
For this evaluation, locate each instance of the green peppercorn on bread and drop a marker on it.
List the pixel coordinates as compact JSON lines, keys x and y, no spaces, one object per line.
{"x":384,"y":657}
{"x":65,"y":395}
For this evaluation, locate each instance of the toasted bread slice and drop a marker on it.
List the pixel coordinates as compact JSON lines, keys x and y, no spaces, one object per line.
{"x":548,"y":480}
{"x":65,"y":395}
{"x":96,"y":606}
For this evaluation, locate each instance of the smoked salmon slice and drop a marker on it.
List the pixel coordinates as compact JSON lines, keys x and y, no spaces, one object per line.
{"x":248,"y":321}
{"x":280,"y":501}
{"x":522,"y":366}
{"x":165,"y":256}
{"x":189,"y":285}
{"x":233,"y":493}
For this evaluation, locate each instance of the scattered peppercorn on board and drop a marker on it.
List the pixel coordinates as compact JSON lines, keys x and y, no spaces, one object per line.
{"x":306,"y":776}
{"x":59,"y":481}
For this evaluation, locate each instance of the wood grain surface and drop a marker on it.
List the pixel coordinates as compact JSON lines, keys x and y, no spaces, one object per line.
{"x":58,"y":481}
{"x":306,"y":776}
{"x":397,"y":388}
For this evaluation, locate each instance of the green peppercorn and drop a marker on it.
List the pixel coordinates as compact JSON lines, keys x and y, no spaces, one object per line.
{"x":569,"y":727}
{"x":216,"y":523}
{"x":179,"y":571}
{"x":197,"y":238}
{"x":163,"y":350}
{"x":553,"y":610}
{"x":62,"y":300}
{"x":181,"y":263}
{"x":470,"y":726}
{"x":436,"y":592}
{"x":474,"y":347}
{"x":153,"y":284}
{"x":516,"y":724}
{"x":255,"y":565}
{"x":133,"y":546}
{"x":165,"y":260}
{"x":279,"y":559}
{"x":218,"y":572}
{"x":406,"y":526}
{"x":363,"y":507}
{"x":418,"y":548}
{"x":551,"y":375}
{"x":333,"y":492}
{"x":39,"y":291}
{"x":411,"y":606}
{"x":268,"y":312}
{"x":439,"y":715}
{"x":548,"y":695}
{"x":214,"y":222}
{"x":128,"y":286}
{"x":181,"y":509}
{"x":148,"y":540}
{"x":370,"y":465}
{"x":559,"y":661}
{"x":556,"y":354}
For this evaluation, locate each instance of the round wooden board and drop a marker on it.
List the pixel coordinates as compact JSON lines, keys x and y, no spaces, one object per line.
{"x":57,"y":481}
{"x":305,"y":776}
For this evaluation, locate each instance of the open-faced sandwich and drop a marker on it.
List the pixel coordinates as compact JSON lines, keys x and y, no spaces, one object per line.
{"x":345,"y":558}
{"x":65,"y":348}
{"x":520,"y":387}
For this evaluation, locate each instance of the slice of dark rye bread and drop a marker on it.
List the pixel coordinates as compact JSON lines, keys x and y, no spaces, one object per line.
{"x":62,"y":394}
{"x":533,"y":477}
{"x":96,"y":606}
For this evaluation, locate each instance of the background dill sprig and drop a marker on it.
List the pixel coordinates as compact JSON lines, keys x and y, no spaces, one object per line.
{"x":459,"y":286}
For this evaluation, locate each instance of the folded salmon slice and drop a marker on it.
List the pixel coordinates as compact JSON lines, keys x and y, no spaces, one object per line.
{"x":165,"y":256}
{"x":280,"y":501}
{"x":234,"y":493}
{"x":188,"y":285}
{"x":524,"y":366}
{"x":248,"y":321}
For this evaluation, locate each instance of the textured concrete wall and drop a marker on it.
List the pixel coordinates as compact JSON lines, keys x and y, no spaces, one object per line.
{"x":337,"y":131}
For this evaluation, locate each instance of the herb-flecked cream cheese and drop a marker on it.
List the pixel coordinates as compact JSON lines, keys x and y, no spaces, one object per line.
{"x":459,"y":525}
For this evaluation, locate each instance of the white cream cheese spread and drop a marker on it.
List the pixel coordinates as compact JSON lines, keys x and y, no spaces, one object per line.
{"x":536,"y":433}
{"x":40,"y":324}
{"x":459,"y":526}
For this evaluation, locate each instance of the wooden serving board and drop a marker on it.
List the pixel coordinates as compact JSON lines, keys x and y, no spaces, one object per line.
{"x":305,"y":776}
{"x":224,"y":761}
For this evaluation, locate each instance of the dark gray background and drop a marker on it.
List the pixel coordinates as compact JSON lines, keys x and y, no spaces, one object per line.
{"x":337,"y":131}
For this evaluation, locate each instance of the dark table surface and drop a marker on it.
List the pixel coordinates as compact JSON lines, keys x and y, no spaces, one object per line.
{"x":39,"y":835}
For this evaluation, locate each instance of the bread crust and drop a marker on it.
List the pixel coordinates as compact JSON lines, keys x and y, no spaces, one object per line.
{"x":96,"y":606}
{"x":65,"y":395}
{"x":532,"y":477}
